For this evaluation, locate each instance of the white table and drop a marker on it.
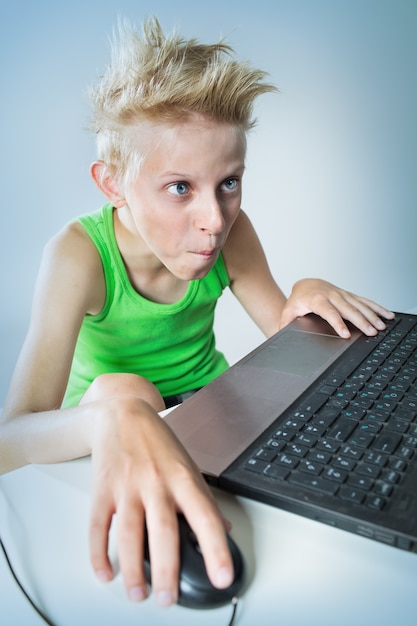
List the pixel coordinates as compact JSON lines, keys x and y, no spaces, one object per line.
{"x":300,"y":572}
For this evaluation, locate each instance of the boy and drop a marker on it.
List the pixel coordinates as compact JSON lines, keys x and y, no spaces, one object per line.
{"x":122,"y":320}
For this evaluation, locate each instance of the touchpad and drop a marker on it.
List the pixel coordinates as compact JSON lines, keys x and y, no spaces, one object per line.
{"x":296,"y":352}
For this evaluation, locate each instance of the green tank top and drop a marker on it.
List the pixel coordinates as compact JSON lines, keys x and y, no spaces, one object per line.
{"x":172,"y":345}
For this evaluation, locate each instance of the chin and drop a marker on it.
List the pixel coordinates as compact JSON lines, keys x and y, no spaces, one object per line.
{"x":193,"y":273}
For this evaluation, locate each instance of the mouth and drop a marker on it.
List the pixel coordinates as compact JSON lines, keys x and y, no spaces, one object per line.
{"x":206,"y":255}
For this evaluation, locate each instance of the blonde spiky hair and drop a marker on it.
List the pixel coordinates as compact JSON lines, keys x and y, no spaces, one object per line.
{"x":164,"y":79}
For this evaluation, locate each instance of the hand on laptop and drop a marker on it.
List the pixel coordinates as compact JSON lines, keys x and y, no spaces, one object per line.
{"x":156,"y":479}
{"x":335,"y":305}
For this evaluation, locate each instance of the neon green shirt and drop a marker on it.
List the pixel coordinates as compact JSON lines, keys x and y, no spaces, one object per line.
{"x":172,"y":345}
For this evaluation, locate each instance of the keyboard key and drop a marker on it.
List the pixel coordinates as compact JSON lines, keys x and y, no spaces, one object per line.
{"x":355,"y":413}
{"x":296,"y":449}
{"x":404,"y":452}
{"x":276,"y":445}
{"x":398,"y":465}
{"x":328,"y":446}
{"x":335,"y":474}
{"x":277,"y":472}
{"x":314,"y":402}
{"x":391,"y":476}
{"x":287,"y":460}
{"x":315,"y":429}
{"x":361,"y":482}
{"x":342,"y":429}
{"x":310,"y":467}
{"x":378,"y":416}
{"x":352,"y":495}
{"x":345,"y":393}
{"x":302,"y":416}
{"x":294,"y":423}
{"x":387,"y":442}
{"x":384,"y":489}
{"x":361,"y":439}
{"x":352,"y":453}
{"x":367,"y":469}
{"x":344,"y":463}
{"x":375,"y":502}
{"x":370,"y":426}
{"x":404,"y":414}
{"x":362,"y":403}
{"x":327,"y":415}
{"x":327,"y":389}
{"x":284,"y":433}
{"x":266,"y":454}
{"x":398,"y":426}
{"x":256,"y":465}
{"x":306,"y":440}
{"x":320,"y":456}
{"x":313,"y":482}
{"x":376,"y":458}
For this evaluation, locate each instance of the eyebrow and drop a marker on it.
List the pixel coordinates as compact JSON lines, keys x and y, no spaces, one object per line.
{"x":241,"y":166}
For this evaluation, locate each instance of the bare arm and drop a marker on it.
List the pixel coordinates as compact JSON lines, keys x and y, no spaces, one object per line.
{"x":34,"y":429}
{"x":251,"y":280}
{"x":139,"y":468}
{"x":256,"y":289}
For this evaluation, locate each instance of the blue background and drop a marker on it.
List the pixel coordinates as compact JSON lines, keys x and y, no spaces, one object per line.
{"x":331,"y":178}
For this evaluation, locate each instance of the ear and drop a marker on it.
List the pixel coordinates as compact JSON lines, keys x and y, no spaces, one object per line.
{"x":106,"y":182}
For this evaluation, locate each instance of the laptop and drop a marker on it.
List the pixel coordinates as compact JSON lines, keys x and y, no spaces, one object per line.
{"x":317,"y":425}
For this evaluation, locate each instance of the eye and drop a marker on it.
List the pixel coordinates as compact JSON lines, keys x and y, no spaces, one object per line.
{"x":230,"y":184}
{"x":179,"y":189}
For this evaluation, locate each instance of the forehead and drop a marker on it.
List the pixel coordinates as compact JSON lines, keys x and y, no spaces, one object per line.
{"x":194,"y":137}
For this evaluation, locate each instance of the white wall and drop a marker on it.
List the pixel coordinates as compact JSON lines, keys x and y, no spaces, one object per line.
{"x":331,"y":180}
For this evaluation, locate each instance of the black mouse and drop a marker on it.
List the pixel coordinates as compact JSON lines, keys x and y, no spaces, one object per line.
{"x":195,"y":588}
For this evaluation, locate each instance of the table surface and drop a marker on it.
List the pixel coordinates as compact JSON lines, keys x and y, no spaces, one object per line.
{"x":300,"y":572}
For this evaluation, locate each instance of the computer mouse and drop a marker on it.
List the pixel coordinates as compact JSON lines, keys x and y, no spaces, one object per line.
{"x":195,"y":588}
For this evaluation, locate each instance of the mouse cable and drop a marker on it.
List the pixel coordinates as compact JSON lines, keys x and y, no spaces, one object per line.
{"x":234,"y":605}
{"x":22,"y":589}
{"x":42,"y":614}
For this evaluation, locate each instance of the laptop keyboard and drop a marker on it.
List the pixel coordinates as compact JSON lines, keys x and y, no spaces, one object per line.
{"x":355,"y":434}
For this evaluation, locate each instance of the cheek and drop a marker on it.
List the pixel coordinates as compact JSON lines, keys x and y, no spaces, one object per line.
{"x":168,"y":230}
{"x":232,"y":214}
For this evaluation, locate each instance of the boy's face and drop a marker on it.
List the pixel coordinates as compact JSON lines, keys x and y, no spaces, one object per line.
{"x":187,"y":194}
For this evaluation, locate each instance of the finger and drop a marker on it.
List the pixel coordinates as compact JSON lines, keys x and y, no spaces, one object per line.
{"x":377,"y":308}
{"x":209,"y":527}
{"x":130,"y":545}
{"x":341,"y":306}
{"x":99,"y":527}
{"x":287,"y":316}
{"x":365,"y":314}
{"x":373,"y":311}
{"x":163,"y":540}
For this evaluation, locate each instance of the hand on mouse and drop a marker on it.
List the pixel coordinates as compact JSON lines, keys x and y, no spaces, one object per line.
{"x":140,"y":470}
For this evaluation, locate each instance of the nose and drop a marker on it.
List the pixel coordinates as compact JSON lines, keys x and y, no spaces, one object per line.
{"x":210,"y":217}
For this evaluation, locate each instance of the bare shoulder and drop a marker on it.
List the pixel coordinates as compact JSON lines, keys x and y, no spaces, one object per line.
{"x":71,"y":242}
{"x":71,"y":258}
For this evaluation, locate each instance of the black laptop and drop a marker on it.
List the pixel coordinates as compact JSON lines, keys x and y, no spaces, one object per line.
{"x":317,"y":425}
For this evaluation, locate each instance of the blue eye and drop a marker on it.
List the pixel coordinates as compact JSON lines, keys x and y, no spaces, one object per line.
{"x":230,"y":184}
{"x":179,"y":189}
